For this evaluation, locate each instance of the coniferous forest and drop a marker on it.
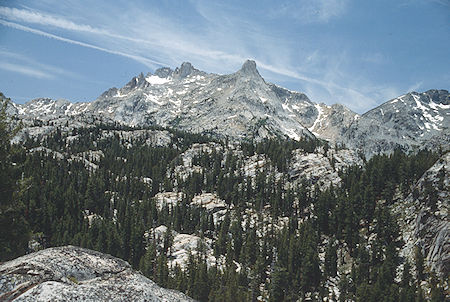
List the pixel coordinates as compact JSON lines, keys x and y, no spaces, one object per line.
{"x":343,"y":236}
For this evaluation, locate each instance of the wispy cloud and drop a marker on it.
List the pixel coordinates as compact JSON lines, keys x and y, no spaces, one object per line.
{"x":375,"y":58}
{"x":29,"y":16}
{"x":415,"y":86}
{"x":25,"y":70}
{"x":312,"y":11}
{"x":49,"y":20}
{"x":220,"y":43}
{"x":35,"y":69}
{"x":445,"y":3}
{"x":162,"y":38}
{"x":145,"y":61}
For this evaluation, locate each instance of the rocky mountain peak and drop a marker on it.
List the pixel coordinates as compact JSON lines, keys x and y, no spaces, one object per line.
{"x":184,"y":70}
{"x":41,"y":100}
{"x":111,"y":92}
{"x":233,"y":104}
{"x":181,"y":72}
{"x":136,"y":81}
{"x":412,"y":119}
{"x":249,"y":69}
{"x":163,"y":72}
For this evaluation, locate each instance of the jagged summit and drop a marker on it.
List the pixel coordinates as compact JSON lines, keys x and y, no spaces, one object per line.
{"x":136,"y":82}
{"x":407,"y":122}
{"x":249,"y":65}
{"x":439,"y":96}
{"x":163,"y":72}
{"x":249,"y":69}
{"x":184,"y":70}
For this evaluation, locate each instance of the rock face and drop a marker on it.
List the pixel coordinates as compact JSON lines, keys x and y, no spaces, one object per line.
{"x":414,"y":120}
{"x":332,"y":121}
{"x":209,"y":201}
{"x":71,"y":273}
{"x":321,"y":170}
{"x":183,"y":245}
{"x":424,"y":218}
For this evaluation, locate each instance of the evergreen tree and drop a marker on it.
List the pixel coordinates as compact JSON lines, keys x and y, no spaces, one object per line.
{"x":14,"y":234}
{"x":408,"y":290}
{"x":277,"y":284}
{"x":330,"y":266}
{"x":419,"y":264}
{"x":437,"y":290}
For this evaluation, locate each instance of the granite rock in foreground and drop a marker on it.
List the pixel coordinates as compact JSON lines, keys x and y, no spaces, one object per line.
{"x":72,"y":273}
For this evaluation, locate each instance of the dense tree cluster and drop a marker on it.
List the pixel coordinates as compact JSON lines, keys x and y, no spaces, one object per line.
{"x":107,"y":207}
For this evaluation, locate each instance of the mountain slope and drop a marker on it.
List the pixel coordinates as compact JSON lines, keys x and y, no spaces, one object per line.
{"x":234,"y":216}
{"x":71,"y":273}
{"x":413,"y":120}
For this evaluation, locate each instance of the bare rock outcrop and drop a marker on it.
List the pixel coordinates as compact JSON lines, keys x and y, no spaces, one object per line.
{"x":72,"y":273}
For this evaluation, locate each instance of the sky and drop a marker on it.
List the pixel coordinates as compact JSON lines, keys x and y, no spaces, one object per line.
{"x":359,"y":53}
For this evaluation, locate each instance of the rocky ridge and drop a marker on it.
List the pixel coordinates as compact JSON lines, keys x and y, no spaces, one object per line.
{"x":239,"y":105}
{"x":242,"y":105}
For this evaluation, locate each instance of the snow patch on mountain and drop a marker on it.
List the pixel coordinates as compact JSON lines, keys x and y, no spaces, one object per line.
{"x":156,"y":80}
{"x":319,"y":116}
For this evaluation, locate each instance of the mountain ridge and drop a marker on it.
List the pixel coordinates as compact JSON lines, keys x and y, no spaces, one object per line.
{"x":408,"y":122}
{"x":242,"y":105}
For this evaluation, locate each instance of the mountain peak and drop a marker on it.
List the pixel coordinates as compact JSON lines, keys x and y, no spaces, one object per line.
{"x":184,"y":70}
{"x":163,"y":72}
{"x":249,"y":64}
{"x":249,"y":68}
{"x":186,"y":66}
{"x":136,"y":81}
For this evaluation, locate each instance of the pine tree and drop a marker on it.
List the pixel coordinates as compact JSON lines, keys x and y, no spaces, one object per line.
{"x":277,"y":284}
{"x":14,"y":232}
{"x":162,"y":270}
{"x":419,"y":263}
{"x":331,"y":259}
{"x":437,"y":290}
{"x":408,"y":290}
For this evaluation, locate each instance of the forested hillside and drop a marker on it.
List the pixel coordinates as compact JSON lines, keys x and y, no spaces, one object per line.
{"x":217,"y":219}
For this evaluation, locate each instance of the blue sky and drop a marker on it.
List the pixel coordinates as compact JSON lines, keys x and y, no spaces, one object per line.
{"x":358,"y":53}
